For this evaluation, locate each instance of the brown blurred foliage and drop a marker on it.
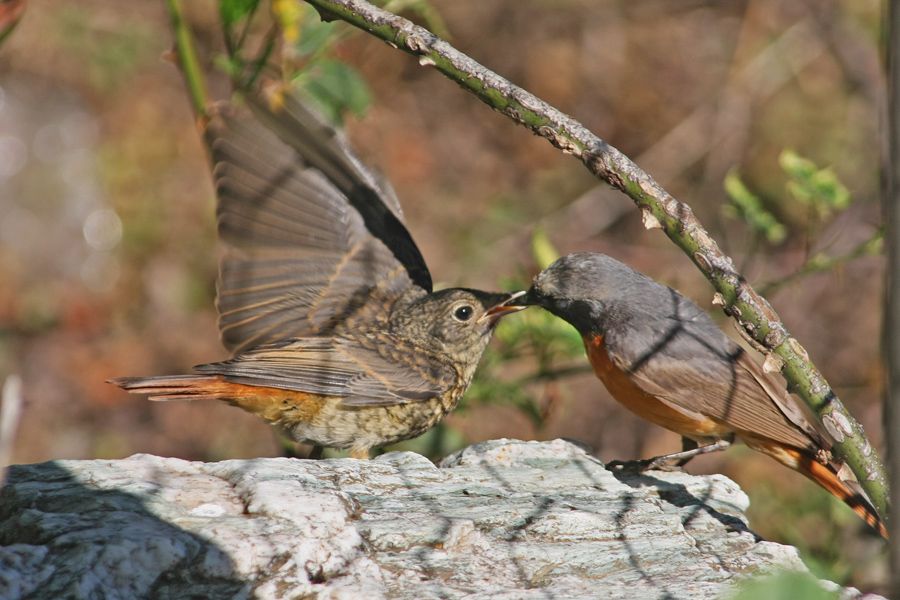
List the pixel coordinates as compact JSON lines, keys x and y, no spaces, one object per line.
{"x":107,"y":242}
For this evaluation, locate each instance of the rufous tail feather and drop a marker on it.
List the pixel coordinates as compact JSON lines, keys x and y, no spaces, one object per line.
{"x":175,"y":387}
{"x":826,"y":476}
{"x":278,"y":406}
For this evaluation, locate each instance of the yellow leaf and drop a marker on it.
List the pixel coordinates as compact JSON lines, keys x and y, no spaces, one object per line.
{"x":288,"y":14}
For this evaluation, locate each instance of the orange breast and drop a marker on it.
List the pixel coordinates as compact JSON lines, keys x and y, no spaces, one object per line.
{"x":644,"y":405}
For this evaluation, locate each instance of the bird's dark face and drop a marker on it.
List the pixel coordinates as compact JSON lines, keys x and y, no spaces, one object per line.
{"x":578,"y":288}
{"x":457,"y":322}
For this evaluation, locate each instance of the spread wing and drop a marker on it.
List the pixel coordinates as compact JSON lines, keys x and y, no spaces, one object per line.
{"x":311,"y":239}
{"x":361,"y":375}
{"x":686,"y":361}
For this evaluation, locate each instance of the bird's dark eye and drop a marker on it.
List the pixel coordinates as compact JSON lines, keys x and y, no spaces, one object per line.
{"x":463,"y":313}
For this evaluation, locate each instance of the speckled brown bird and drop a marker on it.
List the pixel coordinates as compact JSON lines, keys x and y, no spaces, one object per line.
{"x":323,"y":296}
{"x":664,"y":358}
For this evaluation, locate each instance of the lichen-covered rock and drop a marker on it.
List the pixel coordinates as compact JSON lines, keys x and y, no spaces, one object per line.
{"x":502,"y":519}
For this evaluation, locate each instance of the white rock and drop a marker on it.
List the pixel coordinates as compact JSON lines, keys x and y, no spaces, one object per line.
{"x":502,"y":519}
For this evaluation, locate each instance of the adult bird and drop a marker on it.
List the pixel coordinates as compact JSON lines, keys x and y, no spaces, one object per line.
{"x":663,"y":358}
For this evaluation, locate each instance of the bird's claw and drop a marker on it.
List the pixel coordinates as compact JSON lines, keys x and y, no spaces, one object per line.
{"x":631,"y":466}
{"x":639,"y":466}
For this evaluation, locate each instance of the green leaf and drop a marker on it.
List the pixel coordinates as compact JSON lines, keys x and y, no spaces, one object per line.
{"x":818,"y":188}
{"x":795,"y":165}
{"x":745,"y":205}
{"x":831,"y":191}
{"x":314,"y":36}
{"x":784,"y":586}
{"x":542,"y":249}
{"x":230,"y":66}
{"x":336,"y":88}
{"x":232,"y":11}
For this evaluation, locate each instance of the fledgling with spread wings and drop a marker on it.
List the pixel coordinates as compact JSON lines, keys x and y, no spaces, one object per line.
{"x":323,"y":296}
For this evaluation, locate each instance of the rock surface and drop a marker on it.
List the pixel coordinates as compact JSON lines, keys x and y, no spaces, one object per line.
{"x":502,"y":519}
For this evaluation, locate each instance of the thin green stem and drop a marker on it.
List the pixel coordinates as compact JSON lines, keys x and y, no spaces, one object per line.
{"x":187,"y":59}
{"x":819,"y":263}
{"x":263,"y":59}
{"x":246,"y":30}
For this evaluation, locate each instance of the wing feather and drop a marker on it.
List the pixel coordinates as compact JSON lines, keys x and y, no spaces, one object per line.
{"x":311,"y":239}
{"x":359,"y":374}
{"x":686,"y":361}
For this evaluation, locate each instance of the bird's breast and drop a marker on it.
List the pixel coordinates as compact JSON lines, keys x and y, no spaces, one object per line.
{"x":622,"y":387}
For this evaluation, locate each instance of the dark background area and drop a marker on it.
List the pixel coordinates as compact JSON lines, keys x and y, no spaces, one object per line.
{"x":107,"y":240}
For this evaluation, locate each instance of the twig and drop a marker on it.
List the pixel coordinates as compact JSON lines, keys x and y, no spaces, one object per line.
{"x":659,"y":208}
{"x":10,"y":411}
{"x":259,"y":63}
{"x":688,"y":141}
{"x":891,"y":331}
{"x":248,"y":21}
{"x":187,"y":59}
{"x":821,"y":262}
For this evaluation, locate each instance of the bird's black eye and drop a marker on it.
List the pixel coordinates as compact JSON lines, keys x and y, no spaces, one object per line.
{"x":463,"y":313}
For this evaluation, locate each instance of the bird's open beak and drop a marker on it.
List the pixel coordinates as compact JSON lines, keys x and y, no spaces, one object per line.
{"x":506,"y":307}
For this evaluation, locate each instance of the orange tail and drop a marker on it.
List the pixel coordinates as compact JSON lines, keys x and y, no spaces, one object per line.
{"x":285,"y":407}
{"x":175,"y":387}
{"x":826,"y":476}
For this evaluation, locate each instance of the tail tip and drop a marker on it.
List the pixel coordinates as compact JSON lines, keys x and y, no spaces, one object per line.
{"x":122,"y":382}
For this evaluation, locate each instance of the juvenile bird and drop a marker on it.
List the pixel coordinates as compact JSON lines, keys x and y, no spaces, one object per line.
{"x":323,"y":296}
{"x":665,"y":359}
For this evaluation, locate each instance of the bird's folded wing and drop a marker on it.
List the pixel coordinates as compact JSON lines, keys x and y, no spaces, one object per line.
{"x":360,"y":376}
{"x":311,"y":239}
{"x":694,"y":368}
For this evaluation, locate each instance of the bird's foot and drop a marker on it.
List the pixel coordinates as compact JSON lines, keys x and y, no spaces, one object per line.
{"x":667,"y":462}
{"x":663,"y":463}
{"x":359,"y":453}
{"x":659,"y":463}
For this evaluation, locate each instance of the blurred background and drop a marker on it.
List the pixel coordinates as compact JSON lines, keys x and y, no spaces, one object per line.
{"x":762,"y":115}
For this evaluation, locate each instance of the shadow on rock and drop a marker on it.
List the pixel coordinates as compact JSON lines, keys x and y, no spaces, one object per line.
{"x":65,"y":536}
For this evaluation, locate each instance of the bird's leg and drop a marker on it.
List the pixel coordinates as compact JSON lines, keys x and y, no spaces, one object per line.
{"x":669,"y":461}
{"x":687,"y":444}
{"x":316,"y":452}
{"x":678,"y":459}
{"x":359,"y":453}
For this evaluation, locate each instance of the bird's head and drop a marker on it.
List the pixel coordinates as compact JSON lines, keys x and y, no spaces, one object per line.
{"x":581,"y":287}
{"x":455,"y":322}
